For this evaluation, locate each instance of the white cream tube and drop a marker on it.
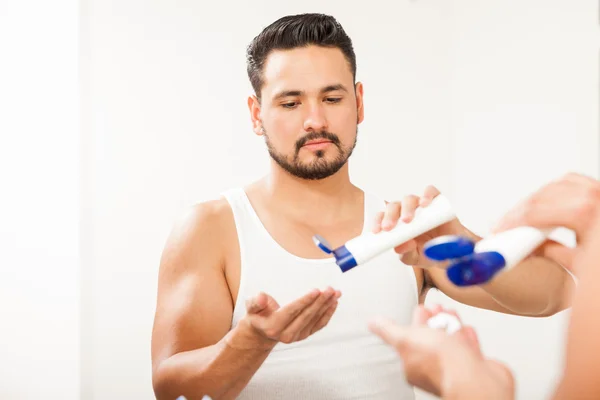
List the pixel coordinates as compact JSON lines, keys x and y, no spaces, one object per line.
{"x":369,"y":245}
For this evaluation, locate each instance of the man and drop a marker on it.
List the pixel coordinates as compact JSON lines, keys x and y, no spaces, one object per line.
{"x":244,"y":294}
{"x":453,"y":367}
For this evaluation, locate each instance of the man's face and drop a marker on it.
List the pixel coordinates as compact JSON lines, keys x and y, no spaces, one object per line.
{"x":309,"y":110}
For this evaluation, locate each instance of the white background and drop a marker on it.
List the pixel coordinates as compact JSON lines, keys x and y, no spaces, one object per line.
{"x":40,"y":203}
{"x":487,"y":100}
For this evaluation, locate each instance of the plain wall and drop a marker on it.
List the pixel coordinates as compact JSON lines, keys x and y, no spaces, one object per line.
{"x":40,"y":204}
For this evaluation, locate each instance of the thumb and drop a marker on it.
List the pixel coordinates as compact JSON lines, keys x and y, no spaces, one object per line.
{"x":501,"y":371}
{"x":421,"y":315}
{"x":387,"y":330}
{"x":471,"y":337}
{"x":257,"y":304}
{"x":406,"y":247}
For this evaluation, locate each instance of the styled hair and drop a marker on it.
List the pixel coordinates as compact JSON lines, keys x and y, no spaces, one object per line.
{"x":294,"y":31}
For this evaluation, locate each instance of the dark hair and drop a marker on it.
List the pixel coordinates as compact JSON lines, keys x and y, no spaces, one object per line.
{"x":295,"y":31}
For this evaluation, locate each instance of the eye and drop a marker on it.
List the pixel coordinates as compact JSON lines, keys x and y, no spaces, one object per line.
{"x":290,"y":104}
{"x":333,"y":100}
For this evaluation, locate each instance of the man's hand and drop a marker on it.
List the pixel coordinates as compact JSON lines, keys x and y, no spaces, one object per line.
{"x":572,"y":202}
{"x":269,"y":323}
{"x":450,"y":366}
{"x":411,"y":252}
{"x":421,"y":347}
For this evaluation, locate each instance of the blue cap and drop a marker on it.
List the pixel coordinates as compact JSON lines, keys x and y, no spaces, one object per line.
{"x":448,"y":247}
{"x":344,"y":258}
{"x":476,"y":269}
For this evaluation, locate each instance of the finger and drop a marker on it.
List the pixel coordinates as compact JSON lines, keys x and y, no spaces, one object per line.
{"x":409,"y":205}
{"x":325,"y":318}
{"x":529,"y":212}
{"x":406,"y":247}
{"x":501,"y":371}
{"x":579,"y":179}
{"x":310,"y":326}
{"x":436,"y":309}
{"x":420,"y":315}
{"x":286,"y":314}
{"x":377,"y":222}
{"x":514,"y":216}
{"x":562,"y":203}
{"x":459,"y":347}
{"x":410,"y":258}
{"x":388,"y":331}
{"x":296,"y":326}
{"x":545,"y":215}
{"x":392,"y":213}
{"x":431,"y":192}
{"x":257,"y":304}
{"x":471,"y":336}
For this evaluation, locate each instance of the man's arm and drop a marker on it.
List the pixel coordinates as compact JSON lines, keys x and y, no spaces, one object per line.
{"x":538,"y":286}
{"x":192,"y":352}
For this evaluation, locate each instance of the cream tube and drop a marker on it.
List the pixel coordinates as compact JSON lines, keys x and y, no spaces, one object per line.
{"x":369,"y":245}
{"x":496,"y":254}
{"x":514,"y":244}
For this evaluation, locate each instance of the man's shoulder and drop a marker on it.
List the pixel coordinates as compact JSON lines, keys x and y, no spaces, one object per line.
{"x":204,"y":225}
{"x":208,"y":217}
{"x":211,"y":210}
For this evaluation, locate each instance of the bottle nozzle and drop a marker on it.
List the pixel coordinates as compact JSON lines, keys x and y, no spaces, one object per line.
{"x":322,"y":244}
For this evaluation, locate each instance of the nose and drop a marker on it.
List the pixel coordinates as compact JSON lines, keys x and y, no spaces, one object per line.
{"x":316,"y":119}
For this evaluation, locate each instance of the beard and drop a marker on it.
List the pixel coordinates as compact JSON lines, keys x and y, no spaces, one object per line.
{"x":318,"y":168}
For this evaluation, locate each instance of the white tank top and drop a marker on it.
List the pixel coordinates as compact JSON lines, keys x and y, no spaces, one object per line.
{"x":344,"y":360}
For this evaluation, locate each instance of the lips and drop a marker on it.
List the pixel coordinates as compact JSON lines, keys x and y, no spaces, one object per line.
{"x":316,"y":142}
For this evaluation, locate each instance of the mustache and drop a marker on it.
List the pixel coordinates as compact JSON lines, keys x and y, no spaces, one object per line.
{"x":317,"y":135}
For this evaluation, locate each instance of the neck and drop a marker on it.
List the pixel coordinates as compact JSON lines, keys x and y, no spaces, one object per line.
{"x":327,"y":198}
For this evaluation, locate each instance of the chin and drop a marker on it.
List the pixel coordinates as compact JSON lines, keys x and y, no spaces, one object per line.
{"x":316,"y":160}
{"x":323,"y":154}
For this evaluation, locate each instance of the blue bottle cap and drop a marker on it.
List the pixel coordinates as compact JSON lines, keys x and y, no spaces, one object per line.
{"x":447,"y":247}
{"x":476,"y":269}
{"x":322,"y":244}
{"x":344,"y":258}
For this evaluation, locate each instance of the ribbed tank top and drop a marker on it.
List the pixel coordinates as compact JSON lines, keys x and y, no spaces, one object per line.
{"x":344,"y":360}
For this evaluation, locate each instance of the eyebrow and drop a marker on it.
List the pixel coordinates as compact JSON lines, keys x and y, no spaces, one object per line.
{"x":326,"y":89}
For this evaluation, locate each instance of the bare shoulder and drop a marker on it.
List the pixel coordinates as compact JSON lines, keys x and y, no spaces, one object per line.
{"x":204,"y":230}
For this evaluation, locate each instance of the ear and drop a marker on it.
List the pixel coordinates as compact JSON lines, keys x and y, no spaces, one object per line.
{"x":358,"y":89}
{"x":254,"y":108}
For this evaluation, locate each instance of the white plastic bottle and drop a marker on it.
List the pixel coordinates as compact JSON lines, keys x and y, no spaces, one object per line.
{"x":491,"y":255}
{"x":368,"y":245}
